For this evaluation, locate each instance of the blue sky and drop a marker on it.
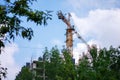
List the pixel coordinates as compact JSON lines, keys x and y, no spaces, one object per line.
{"x":96,"y":20}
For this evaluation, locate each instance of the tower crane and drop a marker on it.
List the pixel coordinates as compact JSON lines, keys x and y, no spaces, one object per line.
{"x":69,"y":31}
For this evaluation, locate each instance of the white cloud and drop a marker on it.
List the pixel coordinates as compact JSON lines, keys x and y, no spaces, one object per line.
{"x":7,"y":60}
{"x":82,"y":48}
{"x":102,"y":26}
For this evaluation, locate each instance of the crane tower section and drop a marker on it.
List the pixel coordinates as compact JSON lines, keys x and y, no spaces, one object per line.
{"x":69,"y":31}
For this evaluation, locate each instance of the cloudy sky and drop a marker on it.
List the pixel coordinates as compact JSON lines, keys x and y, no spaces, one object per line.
{"x":97,"y":21}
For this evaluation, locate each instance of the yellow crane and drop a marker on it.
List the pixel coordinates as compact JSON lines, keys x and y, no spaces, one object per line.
{"x":69,"y":33}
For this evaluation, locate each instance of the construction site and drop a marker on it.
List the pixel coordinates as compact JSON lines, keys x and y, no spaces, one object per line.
{"x":59,"y":40}
{"x":38,"y":67}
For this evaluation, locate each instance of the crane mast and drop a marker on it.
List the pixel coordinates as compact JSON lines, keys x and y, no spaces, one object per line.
{"x":69,"y":31}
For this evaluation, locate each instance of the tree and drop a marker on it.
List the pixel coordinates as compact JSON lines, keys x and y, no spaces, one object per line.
{"x":69,"y":68}
{"x":104,"y":65}
{"x":56,"y":67}
{"x":59,"y":66}
{"x":53,"y":66}
{"x":11,"y":12}
{"x":24,"y":74}
{"x":3,"y":72}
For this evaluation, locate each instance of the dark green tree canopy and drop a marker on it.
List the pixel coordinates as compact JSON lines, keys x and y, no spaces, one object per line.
{"x":11,"y":12}
{"x":25,"y":74}
{"x":105,"y":65}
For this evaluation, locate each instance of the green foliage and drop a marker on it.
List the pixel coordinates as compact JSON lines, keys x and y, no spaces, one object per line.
{"x":68,"y":67}
{"x":101,"y":65}
{"x":53,"y":67}
{"x":104,"y":65}
{"x":46,"y":55}
{"x":25,"y":74}
{"x":11,"y":13}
